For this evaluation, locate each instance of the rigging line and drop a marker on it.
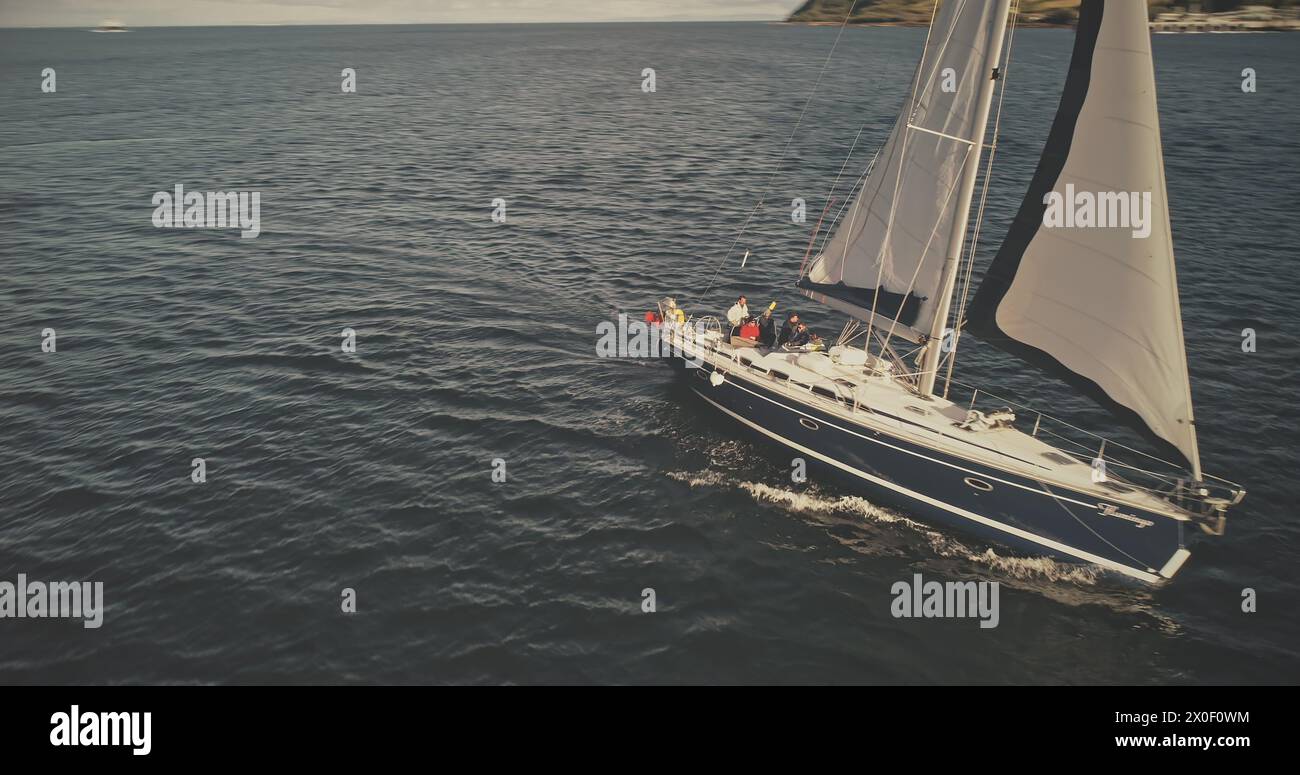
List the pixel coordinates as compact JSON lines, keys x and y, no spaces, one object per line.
{"x":853,"y":147}
{"x":979,"y":216}
{"x":784,"y":151}
{"x":848,"y":238}
{"x":835,"y":184}
{"x":812,"y":238}
{"x":851,"y":332}
{"x":1071,"y":426}
{"x":1089,"y":454}
{"x":843,"y":333}
{"x":857,"y":184}
{"x":1054,"y":497}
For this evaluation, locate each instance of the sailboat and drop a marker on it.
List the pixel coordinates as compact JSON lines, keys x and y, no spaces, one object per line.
{"x":1091,"y":301}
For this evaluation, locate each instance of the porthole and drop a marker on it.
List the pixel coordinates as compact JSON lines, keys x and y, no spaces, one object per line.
{"x":810,"y":425}
{"x":978,"y":484}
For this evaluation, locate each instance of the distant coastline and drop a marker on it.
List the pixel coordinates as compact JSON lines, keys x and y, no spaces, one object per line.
{"x":1165,"y":18}
{"x":857,"y":23}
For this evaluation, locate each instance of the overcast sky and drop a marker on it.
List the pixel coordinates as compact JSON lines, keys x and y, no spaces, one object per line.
{"x":150,"y":13}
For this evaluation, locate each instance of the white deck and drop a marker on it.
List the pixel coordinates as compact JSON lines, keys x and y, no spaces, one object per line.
{"x":929,"y":422}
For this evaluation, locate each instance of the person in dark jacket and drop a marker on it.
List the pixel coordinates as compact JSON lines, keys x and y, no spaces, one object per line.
{"x":788,"y":328}
{"x":800,"y":337}
{"x":766,"y":329}
{"x":803,"y":338}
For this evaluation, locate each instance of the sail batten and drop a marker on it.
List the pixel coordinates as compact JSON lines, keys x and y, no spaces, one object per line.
{"x":1097,"y":303}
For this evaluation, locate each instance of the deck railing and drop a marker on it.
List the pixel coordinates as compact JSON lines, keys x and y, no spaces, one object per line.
{"x":1120,"y":464}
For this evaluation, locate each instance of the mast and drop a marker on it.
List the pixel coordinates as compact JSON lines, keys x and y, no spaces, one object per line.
{"x":992,"y":57}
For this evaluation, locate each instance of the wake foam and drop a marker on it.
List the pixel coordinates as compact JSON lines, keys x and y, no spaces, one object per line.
{"x":813,"y":502}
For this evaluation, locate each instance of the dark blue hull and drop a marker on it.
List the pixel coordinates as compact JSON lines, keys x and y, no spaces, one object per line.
{"x":998,"y":505}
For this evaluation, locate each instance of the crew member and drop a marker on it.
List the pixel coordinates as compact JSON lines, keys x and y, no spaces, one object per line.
{"x":738,"y":314}
{"x":801,"y":336}
{"x":787,"y":328}
{"x":766,"y":328}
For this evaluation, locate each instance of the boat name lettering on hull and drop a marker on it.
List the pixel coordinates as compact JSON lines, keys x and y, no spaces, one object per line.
{"x":1108,"y":510}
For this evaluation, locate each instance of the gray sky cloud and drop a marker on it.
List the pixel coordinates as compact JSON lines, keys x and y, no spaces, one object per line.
{"x":151,"y":13}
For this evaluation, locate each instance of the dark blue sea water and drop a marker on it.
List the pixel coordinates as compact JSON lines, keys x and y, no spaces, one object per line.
{"x":475,"y":341}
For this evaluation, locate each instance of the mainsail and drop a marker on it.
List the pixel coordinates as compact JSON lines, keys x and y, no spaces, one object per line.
{"x":887,"y":255}
{"x":1098,"y":305}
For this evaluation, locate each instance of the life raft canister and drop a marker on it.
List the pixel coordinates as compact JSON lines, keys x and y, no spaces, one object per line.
{"x":749,"y":331}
